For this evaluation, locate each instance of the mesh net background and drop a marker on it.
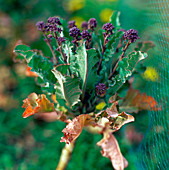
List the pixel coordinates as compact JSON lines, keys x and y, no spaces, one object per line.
{"x":150,"y":18}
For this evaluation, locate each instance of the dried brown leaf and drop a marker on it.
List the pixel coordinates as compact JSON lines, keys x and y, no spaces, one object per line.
{"x":121,"y":120}
{"x":135,"y":101}
{"x":111,"y":150}
{"x":75,"y":127}
{"x":113,"y":112}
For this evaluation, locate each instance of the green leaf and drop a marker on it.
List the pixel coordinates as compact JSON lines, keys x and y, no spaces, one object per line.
{"x":48,"y":88}
{"x":114,"y":39}
{"x":62,"y":68}
{"x":67,"y":88}
{"x":109,"y":57}
{"x":42,"y":66}
{"x":65,"y":28}
{"x":125,"y":67}
{"x":115,"y":19}
{"x":135,"y":57}
{"x":86,"y":61}
{"x":23,"y":52}
{"x":45,"y":87}
{"x":19,"y":58}
{"x":92,"y":77}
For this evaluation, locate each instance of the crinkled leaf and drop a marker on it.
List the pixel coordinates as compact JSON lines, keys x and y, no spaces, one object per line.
{"x":116,"y":120}
{"x":112,"y":112}
{"x":115,"y":39}
{"x":121,"y":120}
{"x":18,"y":58}
{"x":111,"y":150}
{"x":67,"y":88}
{"x":123,"y":69}
{"x":109,"y":57}
{"x":44,"y":105}
{"x":42,"y":66}
{"x":134,"y":58}
{"x":126,"y":67}
{"x":37,"y":104}
{"x":135,"y":101}
{"x":75,"y":127}
{"x":45,"y":87}
{"x":23,"y":52}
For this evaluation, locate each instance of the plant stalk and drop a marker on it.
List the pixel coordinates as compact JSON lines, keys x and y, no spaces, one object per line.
{"x":61,"y":52}
{"x":51,"y":49}
{"x":65,"y":156}
{"x":121,"y":57}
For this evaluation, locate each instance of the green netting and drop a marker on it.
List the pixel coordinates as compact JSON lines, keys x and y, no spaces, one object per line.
{"x":150,"y":17}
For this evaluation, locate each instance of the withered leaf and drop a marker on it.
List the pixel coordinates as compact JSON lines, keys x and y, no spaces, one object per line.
{"x":113,"y":112}
{"x":114,"y":98}
{"x":135,"y":101}
{"x":121,"y":119}
{"x":75,"y":127}
{"x":116,"y":119}
{"x":111,"y":150}
{"x":37,"y":104}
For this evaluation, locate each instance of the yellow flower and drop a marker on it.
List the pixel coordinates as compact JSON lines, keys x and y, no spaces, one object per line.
{"x":74,"y":5}
{"x":150,"y":74}
{"x":105,"y":15}
{"x":100,"y":106}
{"x":78,"y":20}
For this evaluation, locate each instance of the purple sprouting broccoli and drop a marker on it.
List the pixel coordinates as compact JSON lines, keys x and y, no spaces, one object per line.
{"x":40,"y":25}
{"x":101,"y":89}
{"x":92,"y":23}
{"x":52,"y":25}
{"x":131,"y":35}
{"x":108,"y":27}
{"x":60,"y":40}
{"x":84,"y":25}
{"x":54,"y":20}
{"x":86,"y":35}
{"x":74,"y":32}
{"x":71,"y":24}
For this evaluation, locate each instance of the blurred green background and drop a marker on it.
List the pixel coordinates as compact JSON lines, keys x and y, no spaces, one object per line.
{"x":32,"y":144}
